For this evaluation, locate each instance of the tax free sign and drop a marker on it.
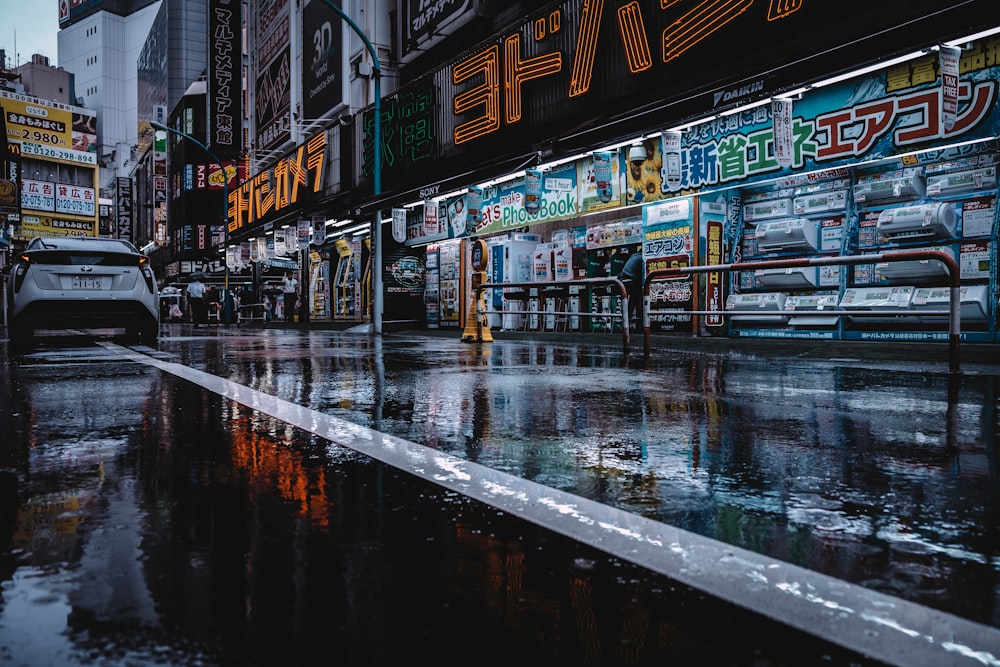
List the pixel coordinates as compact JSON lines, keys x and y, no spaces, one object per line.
{"x":504,"y":205}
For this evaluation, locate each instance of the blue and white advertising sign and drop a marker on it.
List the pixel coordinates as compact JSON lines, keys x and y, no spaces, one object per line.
{"x":893,"y":112}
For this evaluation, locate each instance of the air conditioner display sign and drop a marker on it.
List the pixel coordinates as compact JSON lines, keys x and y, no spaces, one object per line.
{"x":887,"y":113}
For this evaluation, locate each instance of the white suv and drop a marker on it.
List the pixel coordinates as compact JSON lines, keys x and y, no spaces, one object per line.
{"x":78,"y":282}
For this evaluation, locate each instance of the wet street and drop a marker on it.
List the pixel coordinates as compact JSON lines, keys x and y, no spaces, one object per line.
{"x":276,"y":496}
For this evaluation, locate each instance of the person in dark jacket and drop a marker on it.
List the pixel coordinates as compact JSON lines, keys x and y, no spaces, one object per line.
{"x":632,"y":275}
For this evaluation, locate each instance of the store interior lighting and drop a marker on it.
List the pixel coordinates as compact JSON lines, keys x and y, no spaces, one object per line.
{"x":364,"y":227}
{"x":973,"y":37}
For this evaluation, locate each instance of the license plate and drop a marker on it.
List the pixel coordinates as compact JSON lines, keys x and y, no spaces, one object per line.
{"x":86,"y":282}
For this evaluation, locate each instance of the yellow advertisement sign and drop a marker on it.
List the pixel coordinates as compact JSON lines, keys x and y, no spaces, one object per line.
{"x":49,"y":129}
{"x":343,"y":248}
{"x":39,"y":225}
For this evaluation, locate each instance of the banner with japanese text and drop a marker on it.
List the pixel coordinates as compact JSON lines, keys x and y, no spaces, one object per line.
{"x":895,"y":111}
{"x":668,"y":242}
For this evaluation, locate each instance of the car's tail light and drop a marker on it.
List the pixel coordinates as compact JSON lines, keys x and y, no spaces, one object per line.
{"x":147,"y":273}
{"x":20,"y":271}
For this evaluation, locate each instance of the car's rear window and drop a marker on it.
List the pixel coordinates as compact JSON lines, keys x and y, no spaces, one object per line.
{"x":79,"y":258}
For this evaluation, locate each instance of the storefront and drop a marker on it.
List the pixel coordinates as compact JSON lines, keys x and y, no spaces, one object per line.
{"x":900,"y":158}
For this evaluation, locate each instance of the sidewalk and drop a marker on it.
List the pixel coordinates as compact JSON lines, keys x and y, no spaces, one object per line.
{"x":970,"y":353}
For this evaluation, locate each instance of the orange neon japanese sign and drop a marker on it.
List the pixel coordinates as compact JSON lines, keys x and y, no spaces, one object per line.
{"x":496,"y":76}
{"x":284,"y":186}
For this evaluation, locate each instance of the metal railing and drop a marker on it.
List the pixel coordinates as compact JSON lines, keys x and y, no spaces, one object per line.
{"x":953,"y":312}
{"x":954,"y":284}
{"x":614,"y":283}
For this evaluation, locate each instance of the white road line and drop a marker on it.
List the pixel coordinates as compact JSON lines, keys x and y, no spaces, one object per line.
{"x":886,"y":628}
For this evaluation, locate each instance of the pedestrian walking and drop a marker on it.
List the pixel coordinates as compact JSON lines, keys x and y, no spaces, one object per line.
{"x":268,"y":307}
{"x":632,"y":275}
{"x":196,"y":298}
{"x":290,"y":293}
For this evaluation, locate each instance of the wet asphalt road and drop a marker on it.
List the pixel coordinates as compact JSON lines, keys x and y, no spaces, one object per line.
{"x":221,"y":501}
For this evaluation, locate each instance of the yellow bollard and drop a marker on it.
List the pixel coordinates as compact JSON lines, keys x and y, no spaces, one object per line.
{"x":477,"y":326}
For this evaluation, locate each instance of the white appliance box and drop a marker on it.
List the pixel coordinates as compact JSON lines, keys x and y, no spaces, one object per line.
{"x":803,"y":277}
{"x":889,"y":299}
{"x":807,"y":309}
{"x":907,"y":186}
{"x":959,"y":182}
{"x":820,"y":202}
{"x":767,"y":210}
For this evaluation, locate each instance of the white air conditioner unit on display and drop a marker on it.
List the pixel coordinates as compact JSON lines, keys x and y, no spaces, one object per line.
{"x":907,"y":186}
{"x":944,"y":185}
{"x":892,"y":300}
{"x":791,"y":234}
{"x":758,"y":308}
{"x":935,"y":220}
{"x":974,"y":298}
{"x":820,"y":202}
{"x":767,"y":210}
{"x":807,"y":309}
{"x":916,"y":270}
{"x":801,"y":277}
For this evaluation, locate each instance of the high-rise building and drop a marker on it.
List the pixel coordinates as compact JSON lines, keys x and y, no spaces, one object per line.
{"x":100,"y":43}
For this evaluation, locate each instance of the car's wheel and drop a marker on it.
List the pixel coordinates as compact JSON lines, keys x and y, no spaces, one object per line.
{"x":20,"y":333}
{"x":149,"y":333}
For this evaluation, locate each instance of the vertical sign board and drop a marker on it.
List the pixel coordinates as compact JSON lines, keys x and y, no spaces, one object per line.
{"x":403,"y":277}
{"x":224,"y":76}
{"x":322,"y":59}
{"x":949,"y":59}
{"x":10,"y":188}
{"x":712,"y":246}
{"x":668,"y":242}
{"x":272,"y":89}
{"x":124,"y":208}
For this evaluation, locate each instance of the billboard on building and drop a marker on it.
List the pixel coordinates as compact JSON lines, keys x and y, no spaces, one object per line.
{"x":225,"y":87}
{"x":322,"y":59}
{"x":50,"y":130}
{"x":272,"y":88}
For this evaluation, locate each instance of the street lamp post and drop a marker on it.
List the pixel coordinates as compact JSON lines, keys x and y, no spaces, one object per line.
{"x":377,"y":176}
{"x":227,"y":307}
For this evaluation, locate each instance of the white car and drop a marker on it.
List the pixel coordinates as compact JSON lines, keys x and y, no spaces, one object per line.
{"x":77,"y":282}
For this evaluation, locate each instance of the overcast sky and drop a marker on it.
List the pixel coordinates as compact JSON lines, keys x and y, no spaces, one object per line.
{"x":30,"y":26}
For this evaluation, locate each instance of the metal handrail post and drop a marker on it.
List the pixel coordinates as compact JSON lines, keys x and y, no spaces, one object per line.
{"x":954,"y":281}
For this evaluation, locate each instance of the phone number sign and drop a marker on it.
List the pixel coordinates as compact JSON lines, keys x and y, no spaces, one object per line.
{"x":52,"y":153}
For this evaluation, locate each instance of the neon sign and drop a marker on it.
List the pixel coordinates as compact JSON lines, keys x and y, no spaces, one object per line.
{"x":285,"y":185}
{"x":493,"y":71}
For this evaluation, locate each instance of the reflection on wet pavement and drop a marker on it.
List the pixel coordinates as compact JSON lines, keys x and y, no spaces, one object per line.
{"x":235,"y":538}
{"x":865,"y":475}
